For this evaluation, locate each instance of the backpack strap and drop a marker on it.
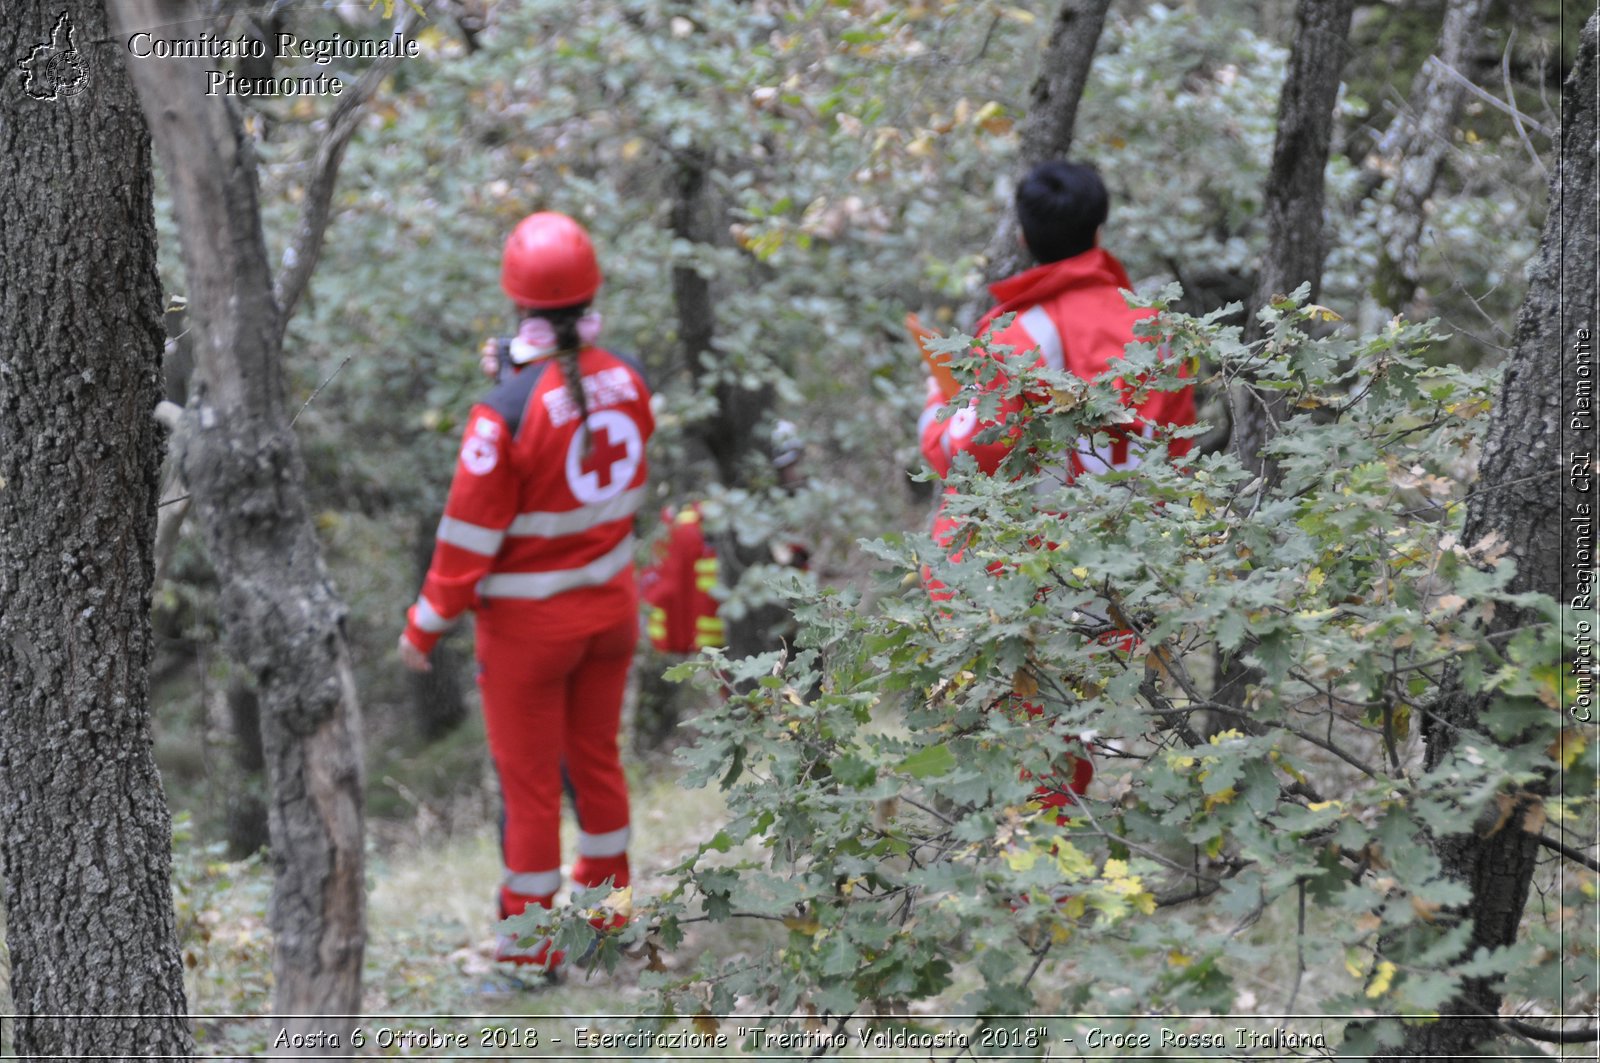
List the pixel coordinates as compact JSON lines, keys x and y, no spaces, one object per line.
{"x":632,"y":363}
{"x":511,"y":396}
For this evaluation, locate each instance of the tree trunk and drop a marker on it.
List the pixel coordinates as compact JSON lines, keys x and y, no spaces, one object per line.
{"x":728,"y":435}
{"x":1417,"y":142}
{"x":1046,"y":131}
{"x":437,"y":704}
{"x":85,"y":838}
{"x":281,"y":617}
{"x":1293,"y":198}
{"x":1294,"y":194}
{"x":1526,"y":495}
{"x":245,"y":815}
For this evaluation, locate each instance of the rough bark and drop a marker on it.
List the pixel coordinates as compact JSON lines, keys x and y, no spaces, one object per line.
{"x":1294,"y":192}
{"x":85,"y":838}
{"x":282,"y":619}
{"x":1046,"y":131}
{"x":1415,"y":145}
{"x":1525,"y":496}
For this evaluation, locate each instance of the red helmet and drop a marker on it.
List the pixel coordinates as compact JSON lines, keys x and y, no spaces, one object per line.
{"x":549,"y":262}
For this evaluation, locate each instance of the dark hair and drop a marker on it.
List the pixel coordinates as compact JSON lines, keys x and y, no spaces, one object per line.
{"x":1060,"y":206}
{"x":564,"y":320}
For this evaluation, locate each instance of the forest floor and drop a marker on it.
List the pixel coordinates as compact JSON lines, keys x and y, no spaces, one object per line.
{"x":431,"y":926}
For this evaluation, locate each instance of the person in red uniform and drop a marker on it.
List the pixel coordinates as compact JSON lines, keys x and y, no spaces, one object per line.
{"x":679,"y":587}
{"x":683,"y":586}
{"x":1071,"y":316}
{"x":537,"y":538}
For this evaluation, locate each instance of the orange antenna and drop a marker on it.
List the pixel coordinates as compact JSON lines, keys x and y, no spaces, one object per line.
{"x":938,"y":364}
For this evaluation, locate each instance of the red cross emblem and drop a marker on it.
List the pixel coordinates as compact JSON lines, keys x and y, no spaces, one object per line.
{"x":603,"y":458}
{"x":605,"y":454}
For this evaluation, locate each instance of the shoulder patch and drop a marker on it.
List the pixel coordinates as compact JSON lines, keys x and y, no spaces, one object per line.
{"x":479,"y":455}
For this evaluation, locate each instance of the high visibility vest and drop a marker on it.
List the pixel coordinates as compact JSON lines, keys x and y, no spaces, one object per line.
{"x":680,"y":588}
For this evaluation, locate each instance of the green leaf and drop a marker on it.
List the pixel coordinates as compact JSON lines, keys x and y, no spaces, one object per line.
{"x":929,"y":762}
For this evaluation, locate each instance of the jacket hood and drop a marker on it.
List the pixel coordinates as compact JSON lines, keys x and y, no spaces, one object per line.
{"x":1095,"y":267}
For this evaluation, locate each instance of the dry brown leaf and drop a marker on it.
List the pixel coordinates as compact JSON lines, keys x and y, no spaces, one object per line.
{"x":1533,"y":815}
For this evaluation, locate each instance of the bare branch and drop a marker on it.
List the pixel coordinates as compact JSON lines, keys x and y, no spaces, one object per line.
{"x":1492,"y":100}
{"x":300,"y":257}
{"x":1516,"y":115}
{"x":313,"y":396}
{"x":1554,"y":1037}
{"x":1570,"y":853}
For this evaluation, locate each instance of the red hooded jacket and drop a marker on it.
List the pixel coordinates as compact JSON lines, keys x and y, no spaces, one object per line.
{"x":1070,"y":315}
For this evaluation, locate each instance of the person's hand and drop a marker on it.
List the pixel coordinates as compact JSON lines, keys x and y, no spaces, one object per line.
{"x":489,"y":357}
{"x":413,"y":658}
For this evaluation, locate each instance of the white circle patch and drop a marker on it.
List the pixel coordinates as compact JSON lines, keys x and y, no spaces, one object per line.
{"x":615,"y":451}
{"x":479,"y":455}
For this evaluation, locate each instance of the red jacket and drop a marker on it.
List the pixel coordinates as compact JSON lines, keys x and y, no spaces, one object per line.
{"x":535,"y":517}
{"x":677,"y":587}
{"x":1069,"y":315}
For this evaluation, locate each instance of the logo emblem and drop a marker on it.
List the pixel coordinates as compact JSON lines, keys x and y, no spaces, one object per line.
{"x":615,"y":451}
{"x":479,"y":455}
{"x":56,"y":71}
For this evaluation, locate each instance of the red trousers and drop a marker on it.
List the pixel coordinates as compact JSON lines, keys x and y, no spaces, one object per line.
{"x":551,"y":702}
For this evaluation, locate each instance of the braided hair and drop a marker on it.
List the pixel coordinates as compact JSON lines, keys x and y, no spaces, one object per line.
{"x":569,"y":344}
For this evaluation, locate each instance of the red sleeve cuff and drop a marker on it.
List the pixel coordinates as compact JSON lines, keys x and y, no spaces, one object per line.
{"x":424,"y":641}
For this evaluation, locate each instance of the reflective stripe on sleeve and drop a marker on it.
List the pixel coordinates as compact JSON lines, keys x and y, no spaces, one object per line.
{"x":1043,"y":330}
{"x":427,"y":618}
{"x":611,"y":843}
{"x":540,"y":585}
{"x":473,"y":537}
{"x":533,"y":883}
{"x":549,"y":524}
